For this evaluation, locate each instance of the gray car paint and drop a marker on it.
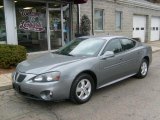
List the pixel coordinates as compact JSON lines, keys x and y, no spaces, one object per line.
{"x":46,"y":62}
{"x":120,"y":66}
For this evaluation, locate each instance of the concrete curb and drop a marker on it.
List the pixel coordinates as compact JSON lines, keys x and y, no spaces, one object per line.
{"x":156,"y":51}
{"x":6,"y":87}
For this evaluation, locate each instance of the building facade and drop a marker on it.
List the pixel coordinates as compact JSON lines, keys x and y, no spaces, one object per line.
{"x":43,"y":25}
{"x":131,"y":18}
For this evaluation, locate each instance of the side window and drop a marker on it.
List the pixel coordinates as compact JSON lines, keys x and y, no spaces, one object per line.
{"x":127,"y":44}
{"x":113,"y":45}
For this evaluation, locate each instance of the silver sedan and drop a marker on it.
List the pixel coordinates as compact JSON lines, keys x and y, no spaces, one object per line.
{"x":84,"y":65}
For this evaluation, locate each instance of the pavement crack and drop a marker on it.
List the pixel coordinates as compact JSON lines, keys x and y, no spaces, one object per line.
{"x":57,"y":116}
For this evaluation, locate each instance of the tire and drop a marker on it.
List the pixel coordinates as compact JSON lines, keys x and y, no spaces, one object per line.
{"x":143,"y":70}
{"x":82,"y":89}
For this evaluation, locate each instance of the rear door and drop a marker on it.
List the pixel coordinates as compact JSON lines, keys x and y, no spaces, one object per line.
{"x":131,"y":56}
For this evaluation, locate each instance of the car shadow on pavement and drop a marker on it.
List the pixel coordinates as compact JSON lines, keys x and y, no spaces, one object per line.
{"x":23,"y":107}
{"x":116,"y":85}
{"x":100,"y":93}
{"x":103,"y":92}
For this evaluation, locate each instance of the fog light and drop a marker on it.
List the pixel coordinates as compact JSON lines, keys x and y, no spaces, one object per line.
{"x":47,"y":95}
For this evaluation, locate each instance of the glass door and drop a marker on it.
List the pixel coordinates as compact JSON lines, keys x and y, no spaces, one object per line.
{"x":59,"y":24}
{"x":55,"y":25}
{"x":55,"y":29}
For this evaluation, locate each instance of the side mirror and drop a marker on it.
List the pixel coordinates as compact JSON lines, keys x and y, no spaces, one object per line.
{"x":107,"y":54}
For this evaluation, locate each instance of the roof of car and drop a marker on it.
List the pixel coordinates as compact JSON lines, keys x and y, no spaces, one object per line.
{"x":107,"y":37}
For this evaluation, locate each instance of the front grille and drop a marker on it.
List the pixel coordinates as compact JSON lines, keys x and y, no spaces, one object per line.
{"x":20,"y":78}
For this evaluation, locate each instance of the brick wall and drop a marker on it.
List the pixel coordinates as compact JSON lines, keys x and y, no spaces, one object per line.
{"x":127,"y":16}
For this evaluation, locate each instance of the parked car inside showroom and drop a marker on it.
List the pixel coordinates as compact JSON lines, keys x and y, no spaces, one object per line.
{"x":82,"y":66}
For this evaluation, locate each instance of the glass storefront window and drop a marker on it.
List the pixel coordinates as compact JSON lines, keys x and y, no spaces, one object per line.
{"x":38,"y":25}
{"x":32,"y":25}
{"x":2,"y":24}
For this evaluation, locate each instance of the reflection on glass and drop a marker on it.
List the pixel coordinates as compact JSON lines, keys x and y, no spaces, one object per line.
{"x":57,"y":20}
{"x":82,"y":47}
{"x":55,"y":29}
{"x":2,"y":25}
{"x":32,"y":25}
{"x":66,"y":23}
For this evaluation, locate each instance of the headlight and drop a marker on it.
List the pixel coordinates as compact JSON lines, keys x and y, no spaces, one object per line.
{"x":47,"y":77}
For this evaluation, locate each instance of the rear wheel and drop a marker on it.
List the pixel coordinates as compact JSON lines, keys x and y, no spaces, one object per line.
{"x":82,"y":89}
{"x":143,"y":70}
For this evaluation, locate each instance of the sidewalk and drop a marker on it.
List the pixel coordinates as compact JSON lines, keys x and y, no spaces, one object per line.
{"x":6,"y":82}
{"x":155,"y":45}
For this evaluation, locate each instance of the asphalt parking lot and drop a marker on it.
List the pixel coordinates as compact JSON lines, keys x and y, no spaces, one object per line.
{"x":132,"y":99}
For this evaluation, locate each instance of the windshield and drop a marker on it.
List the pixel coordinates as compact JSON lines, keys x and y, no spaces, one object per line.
{"x":81,"y":47}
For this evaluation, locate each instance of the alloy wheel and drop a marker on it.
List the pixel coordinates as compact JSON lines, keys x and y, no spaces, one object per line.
{"x":83,"y":89}
{"x":144,"y":68}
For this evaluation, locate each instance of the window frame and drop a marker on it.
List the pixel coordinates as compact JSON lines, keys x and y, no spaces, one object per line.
{"x":103,"y":19}
{"x":3,"y":31}
{"x":121,"y":16}
{"x":130,"y":40}
{"x":102,"y":52}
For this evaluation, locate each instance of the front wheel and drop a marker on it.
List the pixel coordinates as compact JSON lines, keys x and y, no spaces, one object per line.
{"x":143,"y":71}
{"x":82,"y":89}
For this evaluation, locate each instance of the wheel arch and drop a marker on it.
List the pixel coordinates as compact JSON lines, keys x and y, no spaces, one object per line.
{"x":88,"y":72}
{"x":91,"y":73}
{"x":147,"y":58}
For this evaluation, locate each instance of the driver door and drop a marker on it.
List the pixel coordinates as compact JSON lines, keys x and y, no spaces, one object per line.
{"x":112,"y":68}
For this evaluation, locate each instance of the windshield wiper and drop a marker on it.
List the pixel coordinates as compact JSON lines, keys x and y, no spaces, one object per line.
{"x":59,"y":53}
{"x":69,"y":54}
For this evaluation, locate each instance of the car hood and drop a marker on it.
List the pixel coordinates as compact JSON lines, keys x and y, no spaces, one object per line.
{"x":45,"y":63}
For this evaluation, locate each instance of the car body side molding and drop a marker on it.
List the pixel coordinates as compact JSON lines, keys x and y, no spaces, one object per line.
{"x":118,"y":80}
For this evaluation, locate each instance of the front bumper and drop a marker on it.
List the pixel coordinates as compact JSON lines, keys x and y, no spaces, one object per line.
{"x":48,"y":91}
